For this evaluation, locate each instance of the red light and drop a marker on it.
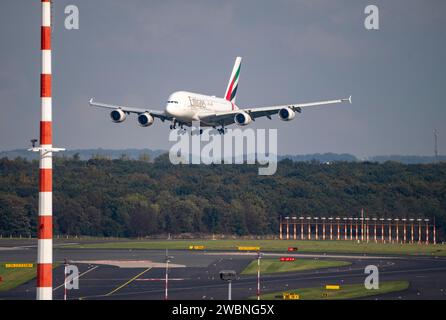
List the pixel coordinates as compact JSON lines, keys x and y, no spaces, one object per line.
{"x":292,"y":249}
{"x":287,"y":259}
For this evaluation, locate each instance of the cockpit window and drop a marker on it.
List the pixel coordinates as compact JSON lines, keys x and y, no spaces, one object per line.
{"x":176,"y":102}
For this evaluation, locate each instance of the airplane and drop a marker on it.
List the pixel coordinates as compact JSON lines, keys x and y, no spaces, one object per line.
{"x":183,"y":108}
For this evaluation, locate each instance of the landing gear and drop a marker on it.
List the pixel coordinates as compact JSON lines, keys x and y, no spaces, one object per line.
{"x":222,"y":130}
{"x":196,"y":132}
{"x":174,"y":125}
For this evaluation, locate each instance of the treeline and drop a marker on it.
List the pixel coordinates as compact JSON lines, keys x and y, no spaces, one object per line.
{"x":123,"y":198}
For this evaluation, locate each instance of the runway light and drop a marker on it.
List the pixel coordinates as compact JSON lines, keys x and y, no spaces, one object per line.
{"x":287,"y":259}
{"x":292,"y":249}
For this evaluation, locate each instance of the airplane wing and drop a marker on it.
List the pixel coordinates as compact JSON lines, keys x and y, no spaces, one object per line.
{"x":227,"y":118}
{"x":156,"y":114}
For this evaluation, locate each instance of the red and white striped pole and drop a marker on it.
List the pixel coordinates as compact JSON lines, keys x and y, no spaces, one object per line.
{"x":367,"y":230}
{"x":323,"y":229}
{"x":309,"y":228}
{"x":317,"y":227}
{"x":374,"y":232}
{"x":345,"y":229}
{"x":404,"y":232}
{"x":351,"y":228}
{"x":390,"y":230}
{"x":435,"y":234}
{"x":419,"y":231}
{"x":383,"y":239}
{"x":45,"y":222}
{"x":339,"y":228}
{"x":294,"y":228}
{"x":280,"y":228}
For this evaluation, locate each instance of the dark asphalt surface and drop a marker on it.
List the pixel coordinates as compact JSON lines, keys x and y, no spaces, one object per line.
{"x":200,"y":279}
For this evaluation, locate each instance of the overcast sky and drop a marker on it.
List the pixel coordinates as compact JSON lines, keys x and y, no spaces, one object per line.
{"x":137,"y":52}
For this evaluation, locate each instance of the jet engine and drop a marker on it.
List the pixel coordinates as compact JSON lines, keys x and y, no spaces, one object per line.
{"x":118,"y":116}
{"x":286,"y":114}
{"x":242,"y":119}
{"x":145,"y":119}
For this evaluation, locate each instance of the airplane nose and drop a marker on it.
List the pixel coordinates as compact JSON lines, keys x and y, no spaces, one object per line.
{"x":170,"y":109}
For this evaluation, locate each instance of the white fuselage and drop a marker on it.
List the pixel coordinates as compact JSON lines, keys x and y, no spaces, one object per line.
{"x":187,"y":107}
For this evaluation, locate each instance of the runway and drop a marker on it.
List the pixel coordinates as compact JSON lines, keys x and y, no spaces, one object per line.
{"x":196,"y":276}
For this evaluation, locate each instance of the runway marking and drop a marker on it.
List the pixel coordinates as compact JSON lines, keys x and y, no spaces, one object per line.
{"x":241,"y":283}
{"x":89,"y":270}
{"x":161,"y":279}
{"x":127,"y":283}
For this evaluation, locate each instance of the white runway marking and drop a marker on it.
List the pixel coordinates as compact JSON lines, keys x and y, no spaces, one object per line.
{"x":89,"y":270}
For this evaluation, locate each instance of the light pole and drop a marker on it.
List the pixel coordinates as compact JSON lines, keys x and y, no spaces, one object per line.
{"x":65,"y":280}
{"x":228,"y":276}
{"x":259,"y":256}
{"x":166,"y":286}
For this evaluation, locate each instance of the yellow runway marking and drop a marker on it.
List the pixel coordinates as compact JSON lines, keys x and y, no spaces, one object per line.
{"x":128,"y":282}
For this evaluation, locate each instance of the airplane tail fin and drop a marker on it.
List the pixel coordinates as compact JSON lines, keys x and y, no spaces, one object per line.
{"x":231,"y":91}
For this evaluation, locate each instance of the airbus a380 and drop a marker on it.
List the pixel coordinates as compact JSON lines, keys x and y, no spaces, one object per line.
{"x":183,"y":108}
